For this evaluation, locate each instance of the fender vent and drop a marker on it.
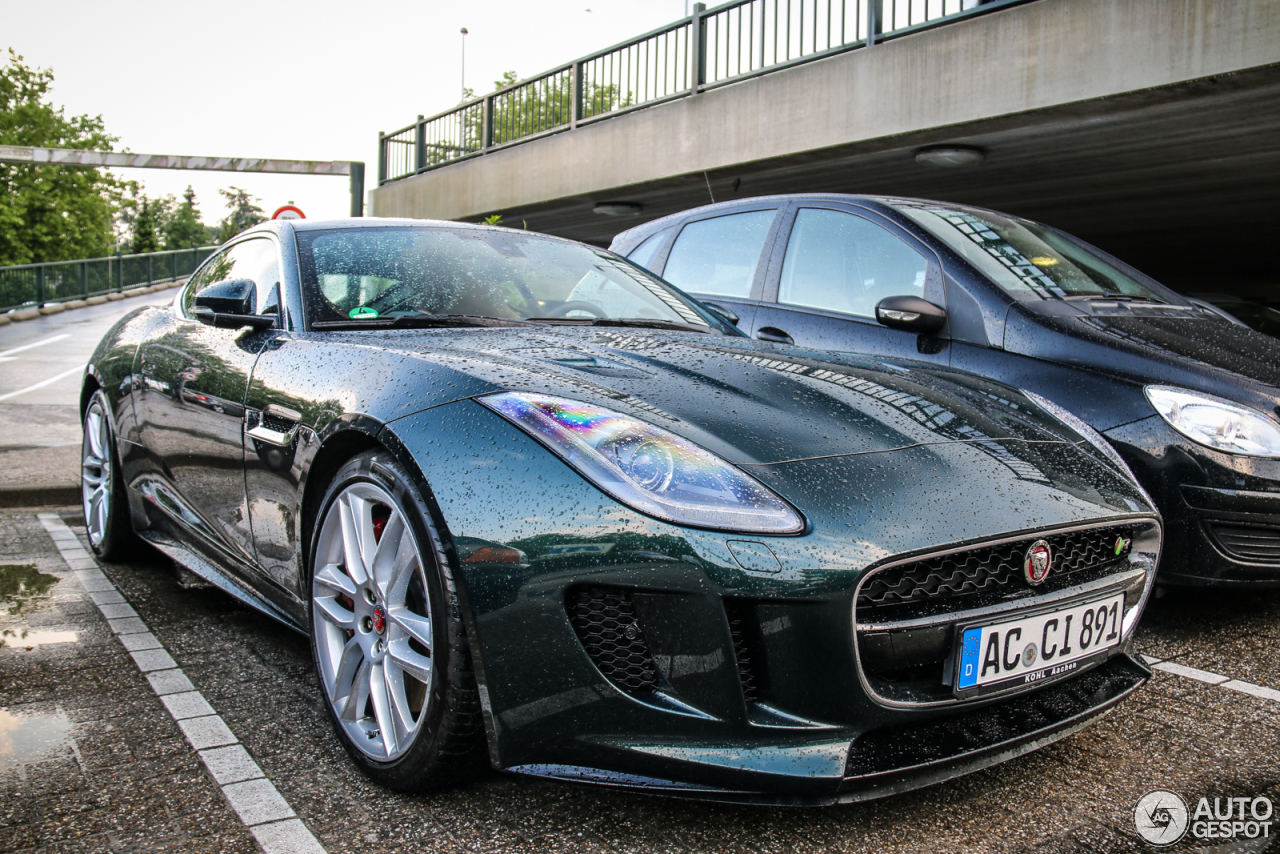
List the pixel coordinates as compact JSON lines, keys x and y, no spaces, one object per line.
{"x":605,"y":621}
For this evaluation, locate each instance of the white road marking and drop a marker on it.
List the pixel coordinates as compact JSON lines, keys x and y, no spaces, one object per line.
{"x":43,"y":383}
{"x":1260,"y":691}
{"x":43,"y":341}
{"x":252,"y":797}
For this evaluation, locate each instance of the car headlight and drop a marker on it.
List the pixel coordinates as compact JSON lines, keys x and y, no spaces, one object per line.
{"x":1091,"y":435}
{"x":647,"y":468}
{"x":1216,"y":423}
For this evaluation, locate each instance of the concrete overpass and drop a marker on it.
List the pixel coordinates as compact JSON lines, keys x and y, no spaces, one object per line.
{"x":1151,"y":127}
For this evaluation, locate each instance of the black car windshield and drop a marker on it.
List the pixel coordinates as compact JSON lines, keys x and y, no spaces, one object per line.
{"x":393,"y":274}
{"x":1028,"y":259}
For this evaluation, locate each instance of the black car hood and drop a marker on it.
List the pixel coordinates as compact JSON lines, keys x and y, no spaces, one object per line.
{"x":748,"y":401}
{"x":1203,"y":352}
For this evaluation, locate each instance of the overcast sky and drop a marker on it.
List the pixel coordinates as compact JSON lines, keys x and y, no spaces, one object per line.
{"x":310,"y":80}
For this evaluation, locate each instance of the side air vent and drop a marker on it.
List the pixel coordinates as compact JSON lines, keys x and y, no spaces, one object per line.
{"x":605,"y":621}
{"x":742,"y":619}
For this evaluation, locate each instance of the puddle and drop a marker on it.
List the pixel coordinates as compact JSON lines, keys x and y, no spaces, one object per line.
{"x":30,"y":638}
{"x":21,"y":586}
{"x":27,"y":737}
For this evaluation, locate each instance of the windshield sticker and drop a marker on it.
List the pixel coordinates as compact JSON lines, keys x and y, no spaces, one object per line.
{"x":362,"y":312}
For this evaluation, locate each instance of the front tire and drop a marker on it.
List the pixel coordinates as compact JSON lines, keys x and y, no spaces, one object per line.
{"x":387,"y":637}
{"x":106,"y":507}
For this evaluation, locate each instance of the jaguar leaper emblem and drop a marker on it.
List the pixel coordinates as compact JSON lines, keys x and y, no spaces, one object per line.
{"x":1038,"y":562}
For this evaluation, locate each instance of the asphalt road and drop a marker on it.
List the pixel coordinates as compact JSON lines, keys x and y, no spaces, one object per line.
{"x":91,"y":759}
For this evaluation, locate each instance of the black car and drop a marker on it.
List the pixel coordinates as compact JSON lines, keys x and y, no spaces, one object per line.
{"x":1189,"y":399}
{"x":1255,"y":314}
{"x":524,"y":496}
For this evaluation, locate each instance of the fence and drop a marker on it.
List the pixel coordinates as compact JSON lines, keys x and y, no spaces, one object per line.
{"x":28,"y":285}
{"x":711,"y":48}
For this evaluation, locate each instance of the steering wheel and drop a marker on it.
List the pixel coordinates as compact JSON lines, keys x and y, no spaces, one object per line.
{"x":592,"y":309}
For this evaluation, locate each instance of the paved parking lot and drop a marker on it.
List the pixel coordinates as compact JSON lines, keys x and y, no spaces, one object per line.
{"x":92,"y":758}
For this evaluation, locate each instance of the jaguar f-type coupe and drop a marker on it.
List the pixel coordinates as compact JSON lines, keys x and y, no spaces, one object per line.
{"x":536,"y":508}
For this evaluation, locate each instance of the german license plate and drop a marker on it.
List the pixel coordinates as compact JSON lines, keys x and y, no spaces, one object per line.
{"x":1038,"y":647}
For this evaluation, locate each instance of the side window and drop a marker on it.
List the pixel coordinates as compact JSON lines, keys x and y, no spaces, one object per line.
{"x":840,"y":262}
{"x":252,"y":259}
{"x":643,"y":254}
{"x":719,"y":256}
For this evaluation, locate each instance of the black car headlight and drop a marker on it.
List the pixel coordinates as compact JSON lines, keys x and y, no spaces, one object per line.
{"x":647,"y":468}
{"x":1216,"y":423}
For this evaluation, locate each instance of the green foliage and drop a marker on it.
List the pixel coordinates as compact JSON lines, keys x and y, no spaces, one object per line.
{"x":492,"y":219}
{"x":244,"y":213}
{"x":144,"y":230}
{"x":184,"y":229}
{"x":541,"y":105}
{"x":50,"y":213}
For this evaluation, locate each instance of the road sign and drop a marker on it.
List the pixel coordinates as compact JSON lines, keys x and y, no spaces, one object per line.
{"x":288,"y":212}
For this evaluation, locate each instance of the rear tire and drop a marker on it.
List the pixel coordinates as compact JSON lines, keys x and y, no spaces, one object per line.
{"x":387,"y":636}
{"x":103,"y":499}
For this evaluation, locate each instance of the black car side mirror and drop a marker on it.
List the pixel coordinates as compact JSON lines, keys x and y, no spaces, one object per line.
{"x":229,"y":304}
{"x":723,"y":313}
{"x":910,"y":313}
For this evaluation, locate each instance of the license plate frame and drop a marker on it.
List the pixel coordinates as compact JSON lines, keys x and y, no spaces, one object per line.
{"x":1038,"y":672}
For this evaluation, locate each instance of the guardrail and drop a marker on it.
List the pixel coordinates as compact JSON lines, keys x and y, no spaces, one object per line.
{"x":34,"y":285}
{"x":711,"y":48}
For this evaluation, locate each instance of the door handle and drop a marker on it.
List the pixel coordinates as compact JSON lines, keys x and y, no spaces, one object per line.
{"x":270,"y":420}
{"x":774,"y":334}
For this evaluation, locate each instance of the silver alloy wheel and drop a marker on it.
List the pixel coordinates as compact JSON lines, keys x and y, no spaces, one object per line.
{"x":95,"y":472}
{"x":371,"y":616}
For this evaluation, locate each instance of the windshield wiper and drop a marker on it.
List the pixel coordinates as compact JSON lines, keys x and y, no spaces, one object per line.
{"x":420,"y":321}
{"x":632,"y":322}
{"x":1116,"y":297}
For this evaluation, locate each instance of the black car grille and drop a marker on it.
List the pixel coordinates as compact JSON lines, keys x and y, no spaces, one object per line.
{"x":743,"y":626}
{"x":947,"y":582}
{"x":1253,"y":543}
{"x":605,"y":621}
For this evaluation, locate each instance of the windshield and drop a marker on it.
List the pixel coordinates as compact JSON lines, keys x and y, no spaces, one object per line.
{"x":368,"y":274}
{"x":1028,"y":259}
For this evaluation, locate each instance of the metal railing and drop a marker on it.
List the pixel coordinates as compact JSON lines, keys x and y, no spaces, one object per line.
{"x":34,"y":285}
{"x":711,"y":48}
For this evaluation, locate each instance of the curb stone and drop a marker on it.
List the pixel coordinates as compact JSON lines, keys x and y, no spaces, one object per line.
{"x":40,"y":495}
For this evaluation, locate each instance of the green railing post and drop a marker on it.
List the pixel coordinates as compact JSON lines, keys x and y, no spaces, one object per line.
{"x":875,"y":13}
{"x":698,"y":42}
{"x":357,"y":188}
{"x":486,"y":124}
{"x":148,"y":271}
{"x":382,"y":158}
{"x":84,"y":279}
{"x":575,"y":95}
{"x":40,"y":286}
{"x":173,"y":266}
{"x":419,"y":145}
{"x":119,"y":271}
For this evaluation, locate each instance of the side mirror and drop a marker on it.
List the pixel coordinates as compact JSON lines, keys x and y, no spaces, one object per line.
{"x":723,"y":313}
{"x":229,"y":304}
{"x":910,"y":313}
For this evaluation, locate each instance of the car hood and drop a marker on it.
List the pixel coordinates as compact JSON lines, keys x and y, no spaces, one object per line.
{"x":1179,"y":350}
{"x":748,"y":401}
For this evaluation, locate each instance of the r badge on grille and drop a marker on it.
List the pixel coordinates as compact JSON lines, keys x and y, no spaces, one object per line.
{"x":1037,"y":563}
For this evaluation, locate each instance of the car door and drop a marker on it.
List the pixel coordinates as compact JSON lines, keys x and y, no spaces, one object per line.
{"x":191,"y":408}
{"x":831,"y":268}
{"x":722,"y":258}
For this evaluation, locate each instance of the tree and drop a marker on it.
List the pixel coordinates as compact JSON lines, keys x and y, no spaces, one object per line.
{"x":244,"y":213}
{"x":144,"y":229}
{"x":50,"y":213}
{"x":184,"y":228}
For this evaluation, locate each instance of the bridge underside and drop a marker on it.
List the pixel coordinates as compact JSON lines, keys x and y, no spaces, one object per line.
{"x":1181,"y":179}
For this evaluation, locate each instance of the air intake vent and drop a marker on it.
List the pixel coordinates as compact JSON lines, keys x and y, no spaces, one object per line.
{"x":741,"y":620}
{"x":1253,"y":543}
{"x":605,"y":621}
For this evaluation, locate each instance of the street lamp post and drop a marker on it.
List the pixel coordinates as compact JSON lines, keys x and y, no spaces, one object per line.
{"x":464,"y":63}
